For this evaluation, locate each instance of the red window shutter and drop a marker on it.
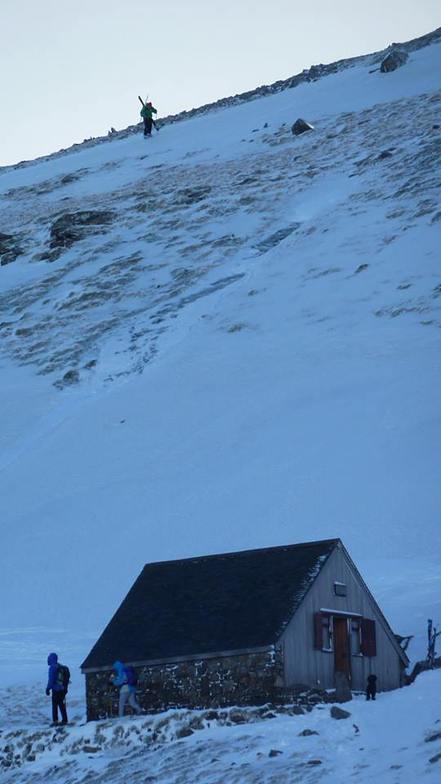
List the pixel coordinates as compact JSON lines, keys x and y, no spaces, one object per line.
{"x":368,"y":638}
{"x":318,"y":631}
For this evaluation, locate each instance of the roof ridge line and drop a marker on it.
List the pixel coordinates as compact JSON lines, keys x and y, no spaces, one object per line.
{"x":233,"y":553}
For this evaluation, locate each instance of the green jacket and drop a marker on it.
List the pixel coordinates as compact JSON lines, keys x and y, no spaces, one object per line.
{"x":147,"y":112}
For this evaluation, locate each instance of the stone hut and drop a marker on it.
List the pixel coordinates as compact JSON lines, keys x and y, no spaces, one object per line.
{"x":245,"y":628}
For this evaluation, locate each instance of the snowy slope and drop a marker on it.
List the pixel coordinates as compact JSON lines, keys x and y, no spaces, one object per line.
{"x":395,"y":740}
{"x":254,"y":340}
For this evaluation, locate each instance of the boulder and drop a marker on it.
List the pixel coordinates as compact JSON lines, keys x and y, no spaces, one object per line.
{"x":301,"y":126}
{"x":395,"y":59}
{"x":339,"y":713}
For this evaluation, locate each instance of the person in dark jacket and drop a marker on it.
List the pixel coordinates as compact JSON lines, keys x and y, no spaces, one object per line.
{"x":147,"y":113}
{"x":55,"y":684}
{"x":371,"y":688}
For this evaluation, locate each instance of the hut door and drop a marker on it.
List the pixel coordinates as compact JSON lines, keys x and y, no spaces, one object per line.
{"x":341,"y":646}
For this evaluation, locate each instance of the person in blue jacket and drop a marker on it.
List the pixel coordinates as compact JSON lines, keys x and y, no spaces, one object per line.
{"x":56,"y":685}
{"x":125,"y":679}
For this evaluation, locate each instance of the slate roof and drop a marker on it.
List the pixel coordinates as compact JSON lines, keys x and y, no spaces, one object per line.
{"x":227,"y":602}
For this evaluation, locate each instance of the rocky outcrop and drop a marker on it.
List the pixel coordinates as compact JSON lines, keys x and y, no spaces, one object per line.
{"x":395,"y":59}
{"x":74,"y":226}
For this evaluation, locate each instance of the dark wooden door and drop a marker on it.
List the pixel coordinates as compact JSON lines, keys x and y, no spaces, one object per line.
{"x":341,"y":646}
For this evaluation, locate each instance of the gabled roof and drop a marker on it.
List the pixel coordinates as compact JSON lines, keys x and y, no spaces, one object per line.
{"x":217,"y":603}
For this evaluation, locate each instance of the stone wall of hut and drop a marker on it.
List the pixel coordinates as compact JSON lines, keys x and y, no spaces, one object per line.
{"x":245,"y":679}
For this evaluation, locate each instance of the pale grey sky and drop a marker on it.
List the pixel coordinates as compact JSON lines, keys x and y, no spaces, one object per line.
{"x":70,"y":69}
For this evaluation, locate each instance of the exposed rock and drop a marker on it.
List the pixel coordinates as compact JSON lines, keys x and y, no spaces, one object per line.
{"x":193,"y":195}
{"x":91,"y":749}
{"x":301,"y":126}
{"x":305,"y":733}
{"x":385,"y":154}
{"x":238,"y":717}
{"x":184,"y":732}
{"x":314,"y":762}
{"x":9,"y":249}
{"x":69,"y":378}
{"x":278,"y":236}
{"x":395,"y":59}
{"x":361,"y":268}
{"x":339,"y":713}
{"x":297,"y":710}
{"x":275,"y":753}
{"x":436,"y":758}
{"x":433,"y":736}
{"x":74,"y":226}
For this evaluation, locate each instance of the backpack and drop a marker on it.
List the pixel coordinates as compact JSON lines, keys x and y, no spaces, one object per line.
{"x":63,"y":676}
{"x":132,"y":678}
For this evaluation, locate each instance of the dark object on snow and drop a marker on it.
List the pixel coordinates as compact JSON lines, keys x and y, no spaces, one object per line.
{"x":395,"y":59}
{"x":339,"y":713}
{"x":433,"y":736}
{"x":301,"y":126}
{"x":371,"y":688}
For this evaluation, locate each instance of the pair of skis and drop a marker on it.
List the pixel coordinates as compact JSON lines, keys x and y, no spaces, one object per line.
{"x":153,"y":122}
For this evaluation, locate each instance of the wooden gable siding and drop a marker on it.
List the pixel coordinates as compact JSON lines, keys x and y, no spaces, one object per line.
{"x":304,"y":663}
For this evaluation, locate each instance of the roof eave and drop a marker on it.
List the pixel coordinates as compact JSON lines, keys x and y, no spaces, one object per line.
{"x":185,"y":658}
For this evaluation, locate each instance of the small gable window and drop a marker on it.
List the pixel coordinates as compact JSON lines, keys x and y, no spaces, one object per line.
{"x":340,"y":589}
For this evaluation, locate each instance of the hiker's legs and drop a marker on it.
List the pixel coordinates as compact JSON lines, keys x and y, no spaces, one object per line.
{"x":54,"y":706}
{"x":123,"y":697}
{"x":133,"y":702}
{"x":63,"y":710}
{"x":58,"y":702}
{"x":147,"y":126}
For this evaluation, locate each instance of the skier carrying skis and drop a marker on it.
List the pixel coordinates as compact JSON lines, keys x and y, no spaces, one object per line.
{"x":126,"y":679}
{"x":58,"y":683}
{"x":147,"y":112}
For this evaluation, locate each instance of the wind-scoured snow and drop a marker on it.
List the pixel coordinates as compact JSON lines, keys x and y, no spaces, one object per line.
{"x":244,"y":352}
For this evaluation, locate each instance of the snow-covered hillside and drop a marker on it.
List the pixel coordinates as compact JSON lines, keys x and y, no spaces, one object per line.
{"x":237,"y":346}
{"x":395,"y":740}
